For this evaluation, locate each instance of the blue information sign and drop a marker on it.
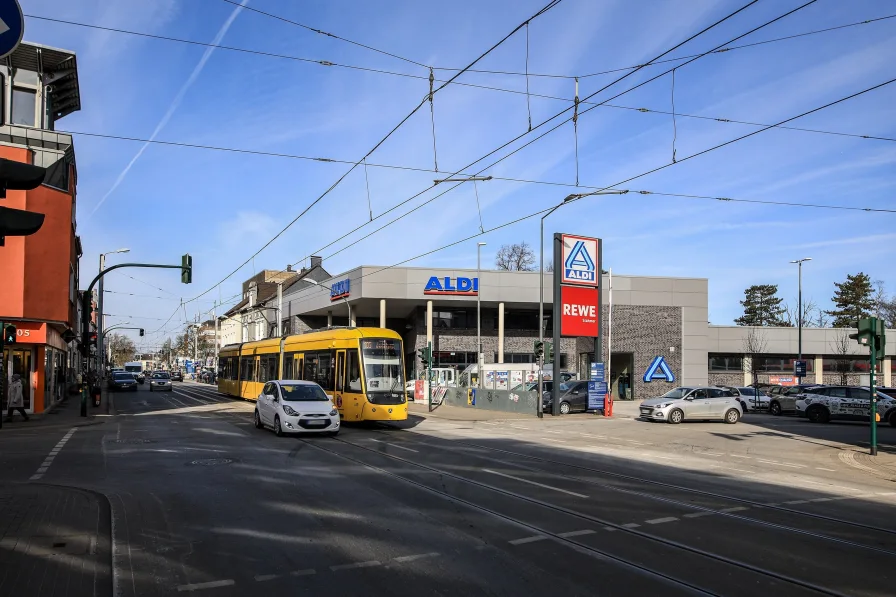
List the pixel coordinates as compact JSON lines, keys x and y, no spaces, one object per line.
{"x":597,"y":393}
{"x":799,"y":368}
{"x":12,"y":26}
{"x":597,"y":372}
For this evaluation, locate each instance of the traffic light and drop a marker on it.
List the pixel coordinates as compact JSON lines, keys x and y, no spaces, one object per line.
{"x":548,"y":352}
{"x":9,"y":334}
{"x":539,"y":350}
{"x":425,"y":355}
{"x":141,"y":331}
{"x":19,"y":176}
{"x":871,"y":333}
{"x":186,"y":269}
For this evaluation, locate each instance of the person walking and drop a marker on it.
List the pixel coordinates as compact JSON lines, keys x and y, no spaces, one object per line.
{"x":16,"y":401}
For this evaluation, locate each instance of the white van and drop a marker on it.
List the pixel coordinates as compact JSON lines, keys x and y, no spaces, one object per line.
{"x":136,"y":367}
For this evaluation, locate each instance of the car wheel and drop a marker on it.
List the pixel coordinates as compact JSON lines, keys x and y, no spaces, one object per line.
{"x":775,"y":409}
{"x":893,"y":419}
{"x":676,"y":416}
{"x":258,"y":423}
{"x":564,"y":408}
{"x":278,"y":430}
{"x":732,"y":416}
{"x":818,"y":414}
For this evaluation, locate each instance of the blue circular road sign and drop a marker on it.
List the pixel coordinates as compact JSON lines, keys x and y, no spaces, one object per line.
{"x":12,"y":26}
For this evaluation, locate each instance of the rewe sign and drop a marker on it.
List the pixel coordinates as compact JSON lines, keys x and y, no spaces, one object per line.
{"x":579,"y":315}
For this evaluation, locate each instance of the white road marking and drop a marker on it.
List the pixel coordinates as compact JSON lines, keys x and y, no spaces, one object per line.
{"x":698,"y":514}
{"x":797,"y":502}
{"x":416,"y":557}
{"x":369,"y":564}
{"x":205,"y":585}
{"x":739,"y":456}
{"x":740,"y":470}
{"x":264,"y":577}
{"x":307,"y":572}
{"x":781,"y":463}
{"x":577,"y":533}
{"x":534,"y":483}
{"x":829,"y":485}
{"x":531,"y":539}
{"x":393,"y":445}
{"x":558,"y":432}
{"x":711,"y":453}
{"x":518,"y":427}
{"x":734,"y":509}
{"x":661,"y":520}
{"x":611,"y":529}
{"x":634,"y":442}
{"x":833,"y":470}
{"x":631,"y":525}
{"x":554,"y":439}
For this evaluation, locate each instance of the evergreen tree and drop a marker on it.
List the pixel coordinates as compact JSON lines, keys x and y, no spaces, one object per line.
{"x":854,"y":299}
{"x":762,"y":307}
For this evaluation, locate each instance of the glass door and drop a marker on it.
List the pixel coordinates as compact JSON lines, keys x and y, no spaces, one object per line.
{"x":18,"y":360}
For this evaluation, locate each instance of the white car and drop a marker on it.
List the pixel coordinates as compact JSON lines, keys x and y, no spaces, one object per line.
{"x":752,"y":400}
{"x":160,"y":381}
{"x":293,"y":406}
{"x":848,"y":403}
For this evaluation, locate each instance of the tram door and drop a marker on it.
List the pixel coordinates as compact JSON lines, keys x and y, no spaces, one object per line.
{"x":340,"y":379}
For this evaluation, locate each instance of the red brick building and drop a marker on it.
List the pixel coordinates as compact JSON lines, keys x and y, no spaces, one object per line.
{"x":39,"y":273}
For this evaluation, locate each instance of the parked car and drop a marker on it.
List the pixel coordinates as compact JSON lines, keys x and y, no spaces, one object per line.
{"x":177,"y":376}
{"x":573,"y":397}
{"x":160,"y":380}
{"x":532,"y":386}
{"x":750,"y":398}
{"x":784,"y":402}
{"x":845,"y":403}
{"x":683,"y":404}
{"x":290,"y":406}
{"x":122,"y":380}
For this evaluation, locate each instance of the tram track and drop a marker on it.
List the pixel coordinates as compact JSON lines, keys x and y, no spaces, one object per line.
{"x":634,"y":479}
{"x":578,"y":545}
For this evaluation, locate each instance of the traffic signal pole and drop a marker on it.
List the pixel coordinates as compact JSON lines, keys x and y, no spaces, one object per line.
{"x":873,"y":402}
{"x":429,"y":374}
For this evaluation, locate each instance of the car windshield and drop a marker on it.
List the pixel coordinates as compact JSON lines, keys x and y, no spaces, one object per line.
{"x":305,"y":392}
{"x":677,"y":393}
{"x":160,"y":376}
{"x":382,"y":364}
{"x":123,"y":376}
{"x":133,"y":368}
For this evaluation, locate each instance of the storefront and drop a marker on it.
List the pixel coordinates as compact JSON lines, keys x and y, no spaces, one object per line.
{"x":40,"y":357}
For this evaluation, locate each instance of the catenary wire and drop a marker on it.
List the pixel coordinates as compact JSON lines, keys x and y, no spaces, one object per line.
{"x":321,"y":32}
{"x":560,"y":124}
{"x":422,"y":102}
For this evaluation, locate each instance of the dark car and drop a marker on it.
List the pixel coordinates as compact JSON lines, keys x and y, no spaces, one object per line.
{"x":573,"y":397}
{"x":123,"y":381}
{"x":784,"y":401}
{"x":177,"y":376}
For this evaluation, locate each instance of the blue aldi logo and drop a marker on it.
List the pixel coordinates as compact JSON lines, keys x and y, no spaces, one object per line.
{"x":659,"y":371}
{"x":340,"y":289}
{"x":580,"y":260}
{"x":452,"y":286}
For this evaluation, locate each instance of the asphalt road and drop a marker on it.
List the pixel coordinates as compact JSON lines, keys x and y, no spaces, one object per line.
{"x":202,"y":502}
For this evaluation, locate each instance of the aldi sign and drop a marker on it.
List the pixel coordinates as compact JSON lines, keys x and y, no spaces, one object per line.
{"x":341,"y":289}
{"x":580,"y":259}
{"x":452,"y":286}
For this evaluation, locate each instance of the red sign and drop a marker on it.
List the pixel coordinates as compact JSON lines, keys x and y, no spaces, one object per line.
{"x":579,"y":311}
{"x":782,"y":380}
{"x":30,"y":332}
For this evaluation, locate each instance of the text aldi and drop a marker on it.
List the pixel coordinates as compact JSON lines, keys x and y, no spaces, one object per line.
{"x":579,"y":315}
{"x":580,"y":260}
{"x":452,"y":286}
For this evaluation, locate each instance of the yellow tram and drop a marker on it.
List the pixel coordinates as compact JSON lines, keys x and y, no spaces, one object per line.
{"x":361,"y":369}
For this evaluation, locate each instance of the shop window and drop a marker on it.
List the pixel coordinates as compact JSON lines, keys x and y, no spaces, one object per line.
{"x":24,"y":106}
{"x":519,"y":320}
{"x":847,"y":364}
{"x":525,"y":357}
{"x":453,"y":319}
{"x":722,"y":362}
{"x":779,"y":364}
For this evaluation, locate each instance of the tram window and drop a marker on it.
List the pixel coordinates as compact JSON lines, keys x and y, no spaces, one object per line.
{"x":310,"y":370}
{"x":263,"y":369}
{"x":353,"y":371}
{"x":325,"y":370}
{"x":247,"y":369}
{"x":300,"y":364}
{"x":273,"y":366}
{"x":287,"y":366}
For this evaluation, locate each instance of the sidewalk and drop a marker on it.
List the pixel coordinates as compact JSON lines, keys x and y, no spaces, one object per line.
{"x":66,"y":413}
{"x":54,"y":541}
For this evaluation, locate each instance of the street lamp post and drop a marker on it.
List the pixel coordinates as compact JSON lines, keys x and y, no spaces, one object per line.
{"x":479,"y":315}
{"x":567,"y":199}
{"x":347,"y":304}
{"x":799,"y":316}
{"x":100,"y":352}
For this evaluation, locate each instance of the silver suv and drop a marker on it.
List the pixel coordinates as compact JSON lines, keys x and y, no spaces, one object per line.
{"x":693,"y":404}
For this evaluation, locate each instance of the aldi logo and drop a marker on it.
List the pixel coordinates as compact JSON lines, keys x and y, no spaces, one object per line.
{"x":452,"y":286}
{"x":341,"y":289}
{"x":580,"y":259}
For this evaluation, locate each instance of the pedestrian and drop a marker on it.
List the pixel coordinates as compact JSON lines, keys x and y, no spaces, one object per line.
{"x":16,"y":401}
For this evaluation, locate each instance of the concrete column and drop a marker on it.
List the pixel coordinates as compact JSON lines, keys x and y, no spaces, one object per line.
{"x":819,"y":370}
{"x":748,"y":366}
{"x":382,"y":313}
{"x":351,"y":319}
{"x":888,"y":372}
{"x":501,"y":333}
{"x":428,"y":322}
{"x":329,"y":319}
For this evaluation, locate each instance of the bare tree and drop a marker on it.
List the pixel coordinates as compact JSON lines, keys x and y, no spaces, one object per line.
{"x":843,"y":348}
{"x":884,"y":306}
{"x":516,"y":257}
{"x":754,"y":344}
{"x":810,"y":310}
{"x":122,"y":349}
{"x":550,"y":266}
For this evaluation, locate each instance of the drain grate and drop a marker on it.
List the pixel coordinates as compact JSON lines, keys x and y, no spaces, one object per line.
{"x":212,"y":461}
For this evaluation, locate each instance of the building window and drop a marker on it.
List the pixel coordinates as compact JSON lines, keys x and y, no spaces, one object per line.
{"x":779,"y":364}
{"x":847,"y":364}
{"x":526,"y":357}
{"x":519,"y":320}
{"x":24,"y":106}
{"x":453,"y":319}
{"x":724,"y":362}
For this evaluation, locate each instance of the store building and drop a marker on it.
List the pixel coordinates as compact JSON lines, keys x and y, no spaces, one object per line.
{"x":40,"y":272}
{"x":661,"y":337}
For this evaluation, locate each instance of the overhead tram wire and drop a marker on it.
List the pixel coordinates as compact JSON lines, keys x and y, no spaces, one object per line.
{"x":327,"y":34}
{"x":561,"y":123}
{"x":328,"y":63}
{"x":422,"y":102}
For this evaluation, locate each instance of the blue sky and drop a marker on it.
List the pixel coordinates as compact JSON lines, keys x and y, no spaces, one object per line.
{"x":221,"y":207}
